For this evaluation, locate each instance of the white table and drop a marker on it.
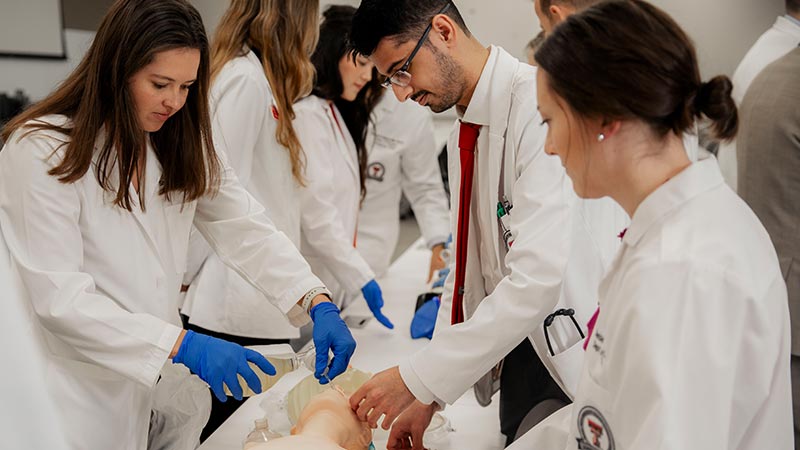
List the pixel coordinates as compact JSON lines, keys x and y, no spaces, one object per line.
{"x":380,"y":348}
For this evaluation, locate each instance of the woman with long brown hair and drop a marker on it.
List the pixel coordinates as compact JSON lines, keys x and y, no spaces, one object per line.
{"x":260,"y":66}
{"x":100,"y":184}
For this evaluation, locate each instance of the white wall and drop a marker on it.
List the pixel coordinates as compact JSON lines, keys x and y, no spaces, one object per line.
{"x":722,"y":29}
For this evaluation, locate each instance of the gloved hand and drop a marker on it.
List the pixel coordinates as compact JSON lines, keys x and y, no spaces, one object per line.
{"x":442,"y":278}
{"x":425,"y":319}
{"x":374,"y":297}
{"x":216,"y":361}
{"x":331,"y":333}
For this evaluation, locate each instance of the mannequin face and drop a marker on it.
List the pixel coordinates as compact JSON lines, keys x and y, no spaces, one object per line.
{"x":329,"y":413}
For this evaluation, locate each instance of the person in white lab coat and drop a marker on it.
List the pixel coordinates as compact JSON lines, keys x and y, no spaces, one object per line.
{"x":402,"y":160}
{"x":260,"y":66}
{"x":332,"y":127}
{"x":100,"y":184}
{"x":689,"y":348}
{"x":513,"y":277}
{"x":777,"y":41}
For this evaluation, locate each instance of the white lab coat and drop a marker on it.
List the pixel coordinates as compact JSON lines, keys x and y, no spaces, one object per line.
{"x":511,"y":160}
{"x":330,"y":200}
{"x":104,"y":282}
{"x":29,"y":419}
{"x":779,"y":40}
{"x":244,"y":129}
{"x":691,"y":347}
{"x":403,"y":159}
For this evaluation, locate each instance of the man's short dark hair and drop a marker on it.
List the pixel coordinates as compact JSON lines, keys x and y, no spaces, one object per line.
{"x":793,"y":6}
{"x":403,"y":20}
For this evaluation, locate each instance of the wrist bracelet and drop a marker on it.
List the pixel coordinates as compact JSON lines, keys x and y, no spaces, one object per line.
{"x":310,"y":295}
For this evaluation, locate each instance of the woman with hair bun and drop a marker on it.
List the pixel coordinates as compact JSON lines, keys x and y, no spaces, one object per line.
{"x":689,"y":348}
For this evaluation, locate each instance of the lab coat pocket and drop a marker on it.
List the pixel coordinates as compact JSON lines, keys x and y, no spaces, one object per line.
{"x":568,"y":365}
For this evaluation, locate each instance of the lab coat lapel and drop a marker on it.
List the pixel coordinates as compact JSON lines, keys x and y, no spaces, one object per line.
{"x":152,"y":203}
{"x":499,"y":109}
{"x":345,"y":144}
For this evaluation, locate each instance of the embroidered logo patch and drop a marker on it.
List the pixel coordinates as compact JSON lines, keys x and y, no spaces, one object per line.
{"x":376,"y":171}
{"x":593,"y":431}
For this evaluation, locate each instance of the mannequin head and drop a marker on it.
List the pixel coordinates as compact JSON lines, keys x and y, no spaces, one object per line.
{"x":328,"y":414}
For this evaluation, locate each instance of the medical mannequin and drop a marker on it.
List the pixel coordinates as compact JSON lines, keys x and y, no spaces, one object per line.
{"x":326,"y":423}
{"x":689,"y":348}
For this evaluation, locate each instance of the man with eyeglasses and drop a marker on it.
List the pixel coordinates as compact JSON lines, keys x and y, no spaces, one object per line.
{"x":512,"y":221}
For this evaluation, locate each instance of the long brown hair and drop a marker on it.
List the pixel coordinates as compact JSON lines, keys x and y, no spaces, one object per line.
{"x":96,"y":95}
{"x":332,"y":47}
{"x":627,"y":59}
{"x":283,"y":33}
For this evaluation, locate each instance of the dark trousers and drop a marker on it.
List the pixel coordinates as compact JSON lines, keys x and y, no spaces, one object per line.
{"x":221,"y":411}
{"x":524,"y":383}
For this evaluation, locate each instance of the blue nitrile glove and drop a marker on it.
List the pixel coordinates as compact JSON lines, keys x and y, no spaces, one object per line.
{"x":216,"y":361}
{"x":331,"y":333}
{"x":374,"y":297}
{"x":442,"y":278}
{"x":425,"y":319}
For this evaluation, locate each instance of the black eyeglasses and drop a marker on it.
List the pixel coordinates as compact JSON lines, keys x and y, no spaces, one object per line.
{"x":401,"y":77}
{"x":549,"y":321}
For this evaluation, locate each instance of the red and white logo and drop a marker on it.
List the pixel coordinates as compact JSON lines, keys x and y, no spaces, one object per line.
{"x":593,"y":430}
{"x":376,"y":171}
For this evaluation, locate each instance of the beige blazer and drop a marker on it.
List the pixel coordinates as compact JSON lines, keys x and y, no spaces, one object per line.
{"x":769,"y":167}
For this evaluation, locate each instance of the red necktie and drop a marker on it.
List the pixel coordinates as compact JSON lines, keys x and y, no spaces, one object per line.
{"x":467,"y":138}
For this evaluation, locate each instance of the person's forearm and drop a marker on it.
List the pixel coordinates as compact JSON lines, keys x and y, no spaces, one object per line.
{"x":177,"y":345}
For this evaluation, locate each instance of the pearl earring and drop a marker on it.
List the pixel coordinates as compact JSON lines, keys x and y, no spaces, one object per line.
{"x":601,"y":137}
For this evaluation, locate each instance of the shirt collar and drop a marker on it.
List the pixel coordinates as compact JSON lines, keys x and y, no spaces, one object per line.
{"x":793,"y":19}
{"x":477,"y":111}
{"x":699,"y":177}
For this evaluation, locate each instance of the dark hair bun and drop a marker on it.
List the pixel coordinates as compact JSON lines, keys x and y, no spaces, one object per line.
{"x":714,"y":100}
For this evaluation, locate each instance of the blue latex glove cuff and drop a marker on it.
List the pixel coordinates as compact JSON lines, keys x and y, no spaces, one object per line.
{"x":442,"y":278}
{"x":331,"y":334}
{"x":424,"y":320}
{"x":374,"y":297}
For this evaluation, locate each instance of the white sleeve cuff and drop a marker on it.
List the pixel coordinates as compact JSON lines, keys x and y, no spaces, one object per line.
{"x":436,"y":240}
{"x":159,"y":355}
{"x":288,"y":304}
{"x":416,"y":386}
